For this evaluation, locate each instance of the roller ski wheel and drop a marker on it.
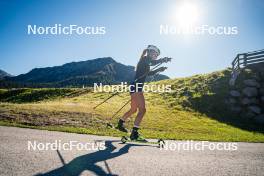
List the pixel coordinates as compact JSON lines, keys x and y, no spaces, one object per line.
{"x":161,"y":143}
{"x":124,"y":139}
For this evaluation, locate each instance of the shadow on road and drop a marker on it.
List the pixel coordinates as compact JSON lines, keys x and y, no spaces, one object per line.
{"x":88,"y":161}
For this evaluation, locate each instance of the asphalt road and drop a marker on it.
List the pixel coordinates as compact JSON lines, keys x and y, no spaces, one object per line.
{"x":115,"y":158}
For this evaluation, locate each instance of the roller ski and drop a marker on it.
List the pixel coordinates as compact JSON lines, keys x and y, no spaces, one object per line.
{"x":137,"y":138}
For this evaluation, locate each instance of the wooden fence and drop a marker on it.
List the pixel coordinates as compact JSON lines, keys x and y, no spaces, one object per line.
{"x":243,"y":60}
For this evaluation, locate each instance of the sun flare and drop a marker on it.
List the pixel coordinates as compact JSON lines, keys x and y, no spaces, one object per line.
{"x":187,"y":14}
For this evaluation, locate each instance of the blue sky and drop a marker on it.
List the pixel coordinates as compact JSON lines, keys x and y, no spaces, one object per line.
{"x":130,"y":27}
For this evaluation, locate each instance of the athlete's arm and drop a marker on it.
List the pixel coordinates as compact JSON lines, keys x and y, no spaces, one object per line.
{"x":161,"y":69}
{"x":162,"y":60}
{"x":155,"y":62}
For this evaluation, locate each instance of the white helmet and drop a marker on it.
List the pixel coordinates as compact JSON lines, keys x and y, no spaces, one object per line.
{"x":153,"y":47}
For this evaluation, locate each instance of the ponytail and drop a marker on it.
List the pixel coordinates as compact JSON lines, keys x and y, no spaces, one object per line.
{"x":143,"y":53}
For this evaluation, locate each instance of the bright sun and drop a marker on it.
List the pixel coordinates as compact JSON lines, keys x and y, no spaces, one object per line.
{"x":187,"y":14}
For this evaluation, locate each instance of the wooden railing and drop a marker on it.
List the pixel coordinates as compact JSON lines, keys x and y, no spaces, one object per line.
{"x":243,"y":60}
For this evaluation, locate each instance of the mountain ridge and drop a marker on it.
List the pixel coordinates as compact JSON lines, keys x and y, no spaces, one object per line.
{"x":4,"y":74}
{"x":76,"y":74}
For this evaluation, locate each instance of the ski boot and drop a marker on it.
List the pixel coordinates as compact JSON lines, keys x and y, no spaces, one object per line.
{"x":121,"y":127}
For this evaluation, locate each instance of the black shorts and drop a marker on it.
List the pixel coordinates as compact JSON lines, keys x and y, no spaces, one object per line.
{"x":136,"y":87}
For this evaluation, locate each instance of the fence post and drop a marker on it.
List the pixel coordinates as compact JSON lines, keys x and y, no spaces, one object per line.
{"x":238,"y":61}
{"x":245,"y":59}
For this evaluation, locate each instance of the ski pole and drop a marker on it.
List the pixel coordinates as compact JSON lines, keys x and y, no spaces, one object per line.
{"x":120,"y":109}
{"x":106,"y":100}
{"x":108,"y":124}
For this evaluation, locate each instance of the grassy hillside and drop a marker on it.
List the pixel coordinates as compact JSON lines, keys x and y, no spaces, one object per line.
{"x":194,"y":110}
